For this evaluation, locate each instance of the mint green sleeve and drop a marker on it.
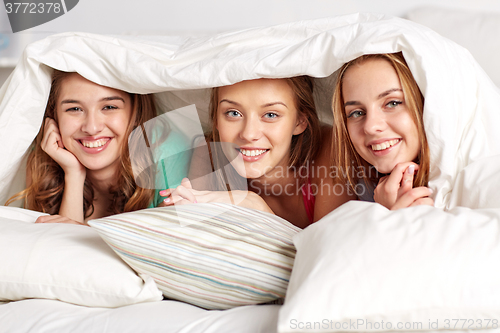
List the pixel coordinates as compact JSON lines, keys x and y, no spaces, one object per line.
{"x":173,"y":157}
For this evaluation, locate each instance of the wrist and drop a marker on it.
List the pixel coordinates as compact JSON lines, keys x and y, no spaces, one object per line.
{"x":74,"y":178}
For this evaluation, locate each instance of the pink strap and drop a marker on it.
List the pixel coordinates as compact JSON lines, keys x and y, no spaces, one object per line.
{"x":309,"y":200}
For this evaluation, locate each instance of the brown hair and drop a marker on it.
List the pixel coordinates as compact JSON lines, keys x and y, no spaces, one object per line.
{"x":47,"y":177}
{"x":304,"y":146}
{"x":345,"y":155}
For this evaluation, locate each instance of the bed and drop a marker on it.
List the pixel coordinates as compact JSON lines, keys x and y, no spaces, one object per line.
{"x":361,"y":268}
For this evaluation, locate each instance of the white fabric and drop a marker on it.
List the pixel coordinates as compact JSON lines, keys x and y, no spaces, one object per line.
{"x":461,"y":102}
{"x":50,"y":316}
{"x":477,"y":31}
{"x":365,"y":264}
{"x":70,"y":263}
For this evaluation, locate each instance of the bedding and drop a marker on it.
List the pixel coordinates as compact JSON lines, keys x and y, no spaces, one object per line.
{"x":461,"y":119}
{"x":66,"y":262}
{"x":365,"y":268}
{"x":216,"y":256}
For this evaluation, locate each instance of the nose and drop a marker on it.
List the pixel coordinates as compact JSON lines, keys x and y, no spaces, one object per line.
{"x":251,"y":130}
{"x":374,"y":121}
{"x":93,"y":123}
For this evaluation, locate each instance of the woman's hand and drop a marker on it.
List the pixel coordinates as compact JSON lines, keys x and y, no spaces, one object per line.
{"x":56,"y":219}
{"x":396,"y":190}
{"x":185,"y":194}
{"x":52,"y":144}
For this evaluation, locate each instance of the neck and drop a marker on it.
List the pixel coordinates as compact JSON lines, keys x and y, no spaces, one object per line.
{"x":281,"y":177}
{"x":102,"y":180}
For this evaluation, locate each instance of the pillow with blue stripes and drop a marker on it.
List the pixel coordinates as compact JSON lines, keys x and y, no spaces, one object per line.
{"x":213,"y":255}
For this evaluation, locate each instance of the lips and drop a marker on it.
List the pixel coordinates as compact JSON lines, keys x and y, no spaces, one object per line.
{"x":384,"y":145}
{"x":252,"y":152}
{"x":94,"y":143}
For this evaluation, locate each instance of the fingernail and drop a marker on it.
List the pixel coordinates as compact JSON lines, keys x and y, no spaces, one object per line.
{"x":411,"y":169}
{"x":167,"y":200}
{"x":195,"y":201}
{"x":432,"y":191}
{"x":163,"y":192}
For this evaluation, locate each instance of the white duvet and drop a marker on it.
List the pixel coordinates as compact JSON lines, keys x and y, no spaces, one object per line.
{"x":461,"y":116}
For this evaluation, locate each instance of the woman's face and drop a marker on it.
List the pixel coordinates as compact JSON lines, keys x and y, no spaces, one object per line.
{"x":378,"y":119}
{"x":93,"y":121}
{"x":258,"y":118}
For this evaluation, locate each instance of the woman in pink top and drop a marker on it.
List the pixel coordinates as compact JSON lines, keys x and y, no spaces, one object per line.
{"x":269,"y":133}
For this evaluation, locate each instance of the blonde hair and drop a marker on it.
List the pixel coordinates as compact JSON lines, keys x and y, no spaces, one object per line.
{"x":304,"y":147}
{"x":345,"y":156}
{"x":47,"y":177}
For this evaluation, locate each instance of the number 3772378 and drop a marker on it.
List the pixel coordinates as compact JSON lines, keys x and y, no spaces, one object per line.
{"x":33,"y":8}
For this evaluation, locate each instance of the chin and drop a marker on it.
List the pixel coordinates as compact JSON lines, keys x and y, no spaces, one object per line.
{"x":384,"y":169}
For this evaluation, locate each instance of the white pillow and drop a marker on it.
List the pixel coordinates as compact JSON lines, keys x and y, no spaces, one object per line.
{"x":476,"y":185}
{"x":476,"y":31}
{"x":215,"y":256}
{"x":66,"y":262}
{"x":365,"y":268}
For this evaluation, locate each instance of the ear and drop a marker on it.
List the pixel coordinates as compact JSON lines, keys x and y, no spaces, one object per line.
{"x":300,"y":126}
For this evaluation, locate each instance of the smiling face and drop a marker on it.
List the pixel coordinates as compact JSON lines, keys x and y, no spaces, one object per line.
{"x":258,"y":119}
{"x":93,"y":122}
{"x":379,"y":122}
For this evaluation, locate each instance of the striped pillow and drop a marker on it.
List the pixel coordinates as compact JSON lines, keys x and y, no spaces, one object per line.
{"x":216,"y":256}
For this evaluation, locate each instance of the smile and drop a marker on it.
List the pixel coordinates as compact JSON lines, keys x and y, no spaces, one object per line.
{"x":94,"y":144}
{"x":252,"y":152}
{"x":385,"y":145}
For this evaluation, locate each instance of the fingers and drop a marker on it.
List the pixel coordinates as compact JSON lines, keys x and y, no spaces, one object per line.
{"x":56,"y":219}
{"x":412,"y":197}
{"x":51,"y":136}
{"x":422,"y":202}
{"x":186,"y":183}
{"x":407,"y":181}
{"x":181,"y":195}
{"x":167,"y":192}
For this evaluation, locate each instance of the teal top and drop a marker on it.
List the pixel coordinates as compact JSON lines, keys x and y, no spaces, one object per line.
{"x":171,"y":157}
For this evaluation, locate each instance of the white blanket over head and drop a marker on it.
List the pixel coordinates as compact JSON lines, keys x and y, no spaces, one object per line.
{"x":461,"y":103}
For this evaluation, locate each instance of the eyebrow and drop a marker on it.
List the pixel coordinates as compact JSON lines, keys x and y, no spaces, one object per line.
{"x":110,"y":98}
{"x":264,"y":105}
{"x":382,"y":95}
{"x":229,"y":101}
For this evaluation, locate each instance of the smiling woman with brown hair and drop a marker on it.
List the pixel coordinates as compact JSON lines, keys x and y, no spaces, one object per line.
{"x":268,"y":131}
{"x":79,"y":167}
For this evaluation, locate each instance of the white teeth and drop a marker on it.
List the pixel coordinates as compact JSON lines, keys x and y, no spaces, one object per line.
{"x":252,"y":152}
{"x":385,"y":145}
{"x":94,"y":144}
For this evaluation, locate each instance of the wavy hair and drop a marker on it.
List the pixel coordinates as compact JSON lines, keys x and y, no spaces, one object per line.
{"x":304,"y":147}
{"x":345,"y":156}
{"x":45,"y":192}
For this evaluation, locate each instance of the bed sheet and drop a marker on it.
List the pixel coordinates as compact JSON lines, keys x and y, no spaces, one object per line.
{"x":50,"y":316}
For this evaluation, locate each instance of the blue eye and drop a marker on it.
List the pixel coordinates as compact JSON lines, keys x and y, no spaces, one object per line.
{"x":232,"y":113}
{"x":271,"y":115}
{"x":356,"y":114}
{"x":393,"y":104}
